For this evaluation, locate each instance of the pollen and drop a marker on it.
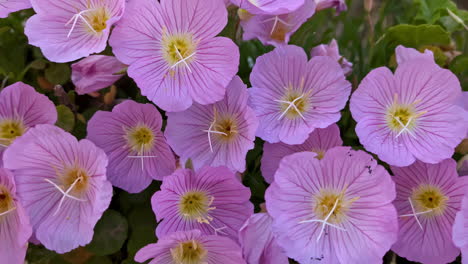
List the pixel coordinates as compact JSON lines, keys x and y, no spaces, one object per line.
{"x":140,"y":138}
{"x":178,"y":49}
{"x":9,"y":130}
{"x":6,"y":200}
{"x":293,"y":104}
{"x":195,"y":205}
{"x":98,"y":18}
{"x":402,"y":118}
{"x":189,"y":252}
{"x":333,"y":204}
{"x":77,"y":177}
{"x":429,"y":198}
{"x":320,"y":153}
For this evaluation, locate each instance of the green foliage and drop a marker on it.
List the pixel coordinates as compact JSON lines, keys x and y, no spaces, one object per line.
{"x":65,"y":118}
{"x":58,"y":73}
{"x":110,"y":234}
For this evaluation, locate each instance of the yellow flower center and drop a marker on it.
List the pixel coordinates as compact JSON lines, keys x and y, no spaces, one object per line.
{"x":97,"y":18}
{"x":77,"y":177}
{"x":331,"y":201}
{"x":6,"y":199}
{"x":195,"y":205}
{"x":320,"y":153}
{"x":279,"y":31}
{"x":293,"y":104}
{"x":9,"y":130}
{"x":402,"y":117}
{"x":429,"y":198}
{"x":227,"y":126}
{"x":178,"y":49}
{"x":140,"y":138}
{"x":189,"y":252}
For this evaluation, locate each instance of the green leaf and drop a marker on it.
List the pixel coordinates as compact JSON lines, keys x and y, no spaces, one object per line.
{"x":416,"y":36}
{"x":58,"y":73}
{"x":459,"y":66}
{"x":436,"y":12}
{"x":66,"y":118}
{"x":99,"y":260}
{"x":110,"y":234}
{"x":128,"y":201}
{"x":142,"y":223}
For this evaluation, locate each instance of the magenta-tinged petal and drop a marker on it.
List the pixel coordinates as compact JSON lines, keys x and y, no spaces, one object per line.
{"x":65,"y":31}
{"x":460,"y":229}
{"x":339,"y":5}
{"x":10,"y":6}
{"x":224,"y":209}
{"x":187,"y":132}
{"x":331,"y":50}
{"x":282,"y":81}
{"x":302,"y":183}
{"x":404,"y":54}
{"x":277,"y":29}
{"x":46,"y":155}
{"x":15,"y":229}
{"x":217,"y":249}
{"x":258,"y":243}
{"x":318,"y":142}
{"x":428,"y":238}
{"x":95,"y":72}
{"x":110,"y":131}
{"x":271,"y":7}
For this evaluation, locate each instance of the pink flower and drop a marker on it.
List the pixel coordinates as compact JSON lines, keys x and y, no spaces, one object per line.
{"x":21,"y":108}
{"x":62,"y":184}
{"x":173,"y":52}
{"x":258,"y":244}
{"x":293,"y":96}
{"x":331,"y":50}
{"x":131,"y":137}
{"x":339,"y":5}
{"x":10,"y":6}
{"x":318,"y":142}
{"x":15,"y":229}
{"x":404,"y":54}
{"x":211,"y":200}
{"x":191,"y":247}
{"x":270,"y":7}
{"x":71,"y":29}
{"x":95,"y":72}
{"x":277,"y":29}
{"x":460,"y":229}
{"x":411,"y":114}
{"x":220,"y":134}
{"x":428,"y":197}
{"x":335,"y":210}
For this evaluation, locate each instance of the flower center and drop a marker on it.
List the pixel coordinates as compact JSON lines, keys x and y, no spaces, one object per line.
{"x":428,"y":198}
{"x":320,"y":153}
{"x":6,"y":200}
{"x":293,"y":105}
{"x":227,"y":126}
{"x":97,"y":18}
{"x":77,"y":177}
{"x":9,"y":130}
{"x":333,"y":205}
{"x":140,"y":138}
{"x":194,"y":205}
{"x":189,"y":252}
{"x":279,"y":28}
{"x":402,"y":118}
{"x":179,"y":49}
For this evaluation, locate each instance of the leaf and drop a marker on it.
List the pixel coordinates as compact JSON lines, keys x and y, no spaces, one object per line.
{"x":66,"y":118}
{"x":416,"y":36}
{"x":437,"y":12}
{"x":58,"y":73}
{"x":128,"y":201}
{"x":110,"y":234}
{"x":459,"y":66}
{"x":142,"y":223}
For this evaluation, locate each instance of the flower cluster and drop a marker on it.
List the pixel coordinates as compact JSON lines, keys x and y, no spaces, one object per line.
{"x":325,"y":202}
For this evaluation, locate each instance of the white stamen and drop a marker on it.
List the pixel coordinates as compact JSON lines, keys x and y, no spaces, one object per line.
{"x":325,"y":222}
{"x":405,"y":127}
{"x":415,"y":214}
{"x":142,"y":157}
{"x":75,"y":18}
{"x":209,"y":131}
{"x":275,"y":24}
{"x":182,"y":59}
{"x":291,"y":104}
{"x":66,"y":193}
{"x":7,"y":212}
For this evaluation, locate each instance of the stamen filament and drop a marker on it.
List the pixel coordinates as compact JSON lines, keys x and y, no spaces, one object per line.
{"x":182,"y":59}
{"x":142,"y":157}
{"x":414,"y":213}
{"x":65,"y":193}
{"x":275,"y":24}
{"x":8,"y":211}
{"x":75,"y":18}
{"x":291,"y":104}
{"x":209,"y":131}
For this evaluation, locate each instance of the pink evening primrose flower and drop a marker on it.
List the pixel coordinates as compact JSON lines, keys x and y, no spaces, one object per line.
{"x":411,"y":114}
{"x":293,"y":96}
{"x":269,"y":7}
{"x":460,"y":229}
{"x":258,"y":243}
{"x":428,"y":197}
{"x":95,"y":72}
{"x":69,"y":30}
{"x":277,"y":29}
{"x":404,"y":54}
{"x":211,"y":200}
{"x":10,"y":6}
{"x":132,"y":139}
{"x":62,"y":184}
{"x":15,"y":229}
{"x":339,"y":5}
{"x":331,"y":50}
{"x":173,"y":52}
{"x":191,"y":247}
{"x":335,"y":210}
{"x":21,"y":108}
{"x":319,"y":141}
{"x":220,"y":134}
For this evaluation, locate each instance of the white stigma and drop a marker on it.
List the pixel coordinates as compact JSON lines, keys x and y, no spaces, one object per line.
{"x":415,"y":214}
{"x":75,"y":18}
{"x":66,"y":194}
{"x":275,"y":24}
{"x":8,"y":211}
{"x":290,"y":104}
{"x":325,"y":222}
{"x":210,"y":131}
{"x":404,"y":127}
{"x":182,"y":59}
{"x":142,"y":157}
